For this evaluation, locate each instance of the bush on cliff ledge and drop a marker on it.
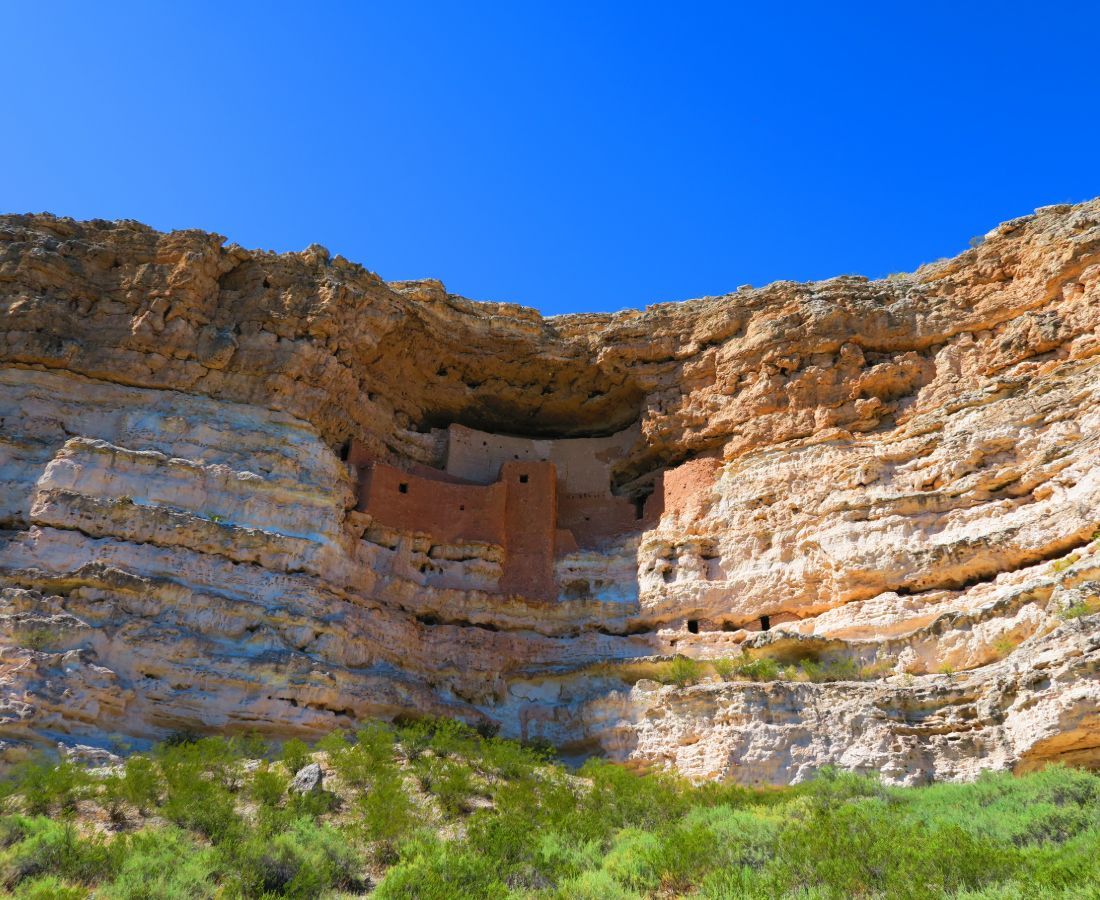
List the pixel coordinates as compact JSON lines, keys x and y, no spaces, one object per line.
{"x":434,"y":810}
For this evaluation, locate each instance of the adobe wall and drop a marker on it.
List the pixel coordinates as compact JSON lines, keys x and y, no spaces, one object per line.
{"x":530,"y":528}
{"x":583,"y":464}
{"x":596,"y":518}
{"x":449,"y":512}
{"x":676,"y":490}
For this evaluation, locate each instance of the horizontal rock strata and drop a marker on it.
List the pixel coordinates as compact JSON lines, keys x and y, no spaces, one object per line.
{"x":898,"y":479}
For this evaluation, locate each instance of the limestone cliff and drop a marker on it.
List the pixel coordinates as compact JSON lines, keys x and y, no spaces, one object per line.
{"x":898,"y":478}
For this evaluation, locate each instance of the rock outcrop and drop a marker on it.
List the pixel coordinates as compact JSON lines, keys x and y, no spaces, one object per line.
{"x":892,"y":484}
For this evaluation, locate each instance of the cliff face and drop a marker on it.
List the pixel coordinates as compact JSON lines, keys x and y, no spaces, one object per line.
{"x":897,"y":478}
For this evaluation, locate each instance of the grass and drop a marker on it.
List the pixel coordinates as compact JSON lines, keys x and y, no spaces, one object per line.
{"x":1060,"y":565}
{"x":434,"y":810}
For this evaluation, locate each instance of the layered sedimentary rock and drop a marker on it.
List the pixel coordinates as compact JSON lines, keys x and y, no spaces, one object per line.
{"x":899,"y":479}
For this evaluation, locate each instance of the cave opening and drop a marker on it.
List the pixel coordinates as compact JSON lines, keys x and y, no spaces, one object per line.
{"x":765,"y":623}
{"x":693,"y":626}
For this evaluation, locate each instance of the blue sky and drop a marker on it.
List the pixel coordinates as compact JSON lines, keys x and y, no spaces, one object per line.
{"x":566,"y":156}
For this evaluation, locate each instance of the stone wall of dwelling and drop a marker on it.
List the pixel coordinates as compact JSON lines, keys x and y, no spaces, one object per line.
{"x":529,"y":528}
{"x":595,"y":519}
{"x":448,"y":511}
{"x":583,"y":464}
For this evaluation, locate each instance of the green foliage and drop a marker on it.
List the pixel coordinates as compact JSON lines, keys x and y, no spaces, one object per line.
{"x":35,"y":638}
{"x":304,"y":860}
{"x":40,"y":846}
{"x":515,"y":823}
{"x":1060,"y":565}
{"x":47,"y":786}
{"x":385,"y":812}
{"x":268,"y":785}
{"x":682,"y":671}
{"x":449,"y":781}
{"x":48,"y":887}
{"x":163,"y":863}
{"x":1077,"y":611}
{"x":831,"y":670}
{"x":429,"y":869}
{"x":295,"y":755}
{"x":724,"y":667}
{"x":762,"y":669}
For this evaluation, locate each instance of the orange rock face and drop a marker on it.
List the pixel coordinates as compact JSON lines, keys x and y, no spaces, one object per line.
{"x":891,"y":483}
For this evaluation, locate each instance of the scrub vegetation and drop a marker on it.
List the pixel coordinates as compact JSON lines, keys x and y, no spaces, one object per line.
{"x":433,"y":809}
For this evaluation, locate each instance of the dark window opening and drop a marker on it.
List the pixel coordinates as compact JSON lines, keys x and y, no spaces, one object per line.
{"x":403,"y":487}
{"x":693,"y":626}
{"x":523,"y":479}
{"x":765,"y":623}
{"x":461,"y":507}
{"x":639,"y":507}
{"x":345,"y":450}
{"x":515,"y":456}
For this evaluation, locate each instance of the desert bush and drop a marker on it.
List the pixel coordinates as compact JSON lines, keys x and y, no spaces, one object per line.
{"x":385,"y":812}
{"x":724,"y":667}
{"x":295,"y":755}
{"x":49,"y":847}
{"x":549,"y":832}
{"x":305,"y":860}
{"x":1077,"y":611}
{"x":47,"y":785}
{"x":831,"y":670}
{"x":762,"y":669}
{"x":430,"y":869}
{"x":1060,"y":565}
{"x":268,"y":785}
{"x":682,"y":671}
{"x":49,"y":887}
{"x":164,"y":863}
{"x":35,"y":638}
{"x":449,"y":781}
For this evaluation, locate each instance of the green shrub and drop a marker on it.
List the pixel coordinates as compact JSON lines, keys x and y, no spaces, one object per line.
{"x":763,"y":669}
{"x":432,"y":870}
{"x":831,"y":670}
{"x":385,"y":812}
{"x":35,"y":638}
{"x":594,"y":885}
{"x":724,"y":668}
{"x":295,"y":755}
{"x":48,"y":847}
{"x":682,"y":671}
{"x":46,"y":785}
{"x":1060,"y":565}
{"x":305,"y":860}
{"x":49,"y":887}
{"x":1077,"y":611}
{"x":268,"y":785}
{"x":164,"y":863}
{"x":448,"y":780}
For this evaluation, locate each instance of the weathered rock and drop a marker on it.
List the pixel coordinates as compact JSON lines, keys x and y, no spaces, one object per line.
{"x":900,"y":476}
{"x":307,"y":780}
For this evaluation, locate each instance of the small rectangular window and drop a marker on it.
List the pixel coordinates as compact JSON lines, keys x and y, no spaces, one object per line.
{"x":765,"y":623}
{"x":523,"y":479}
{"x":403,"y":487}
{"x":693,"y":626}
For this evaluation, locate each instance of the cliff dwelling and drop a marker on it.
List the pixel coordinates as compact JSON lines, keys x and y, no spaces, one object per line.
{"x":535,"y":499}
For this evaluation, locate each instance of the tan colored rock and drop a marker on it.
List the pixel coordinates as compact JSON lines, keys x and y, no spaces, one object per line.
{"x":903,"y":476}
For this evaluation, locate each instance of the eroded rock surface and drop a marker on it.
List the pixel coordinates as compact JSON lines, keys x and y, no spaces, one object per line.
{"x":897,"y":478}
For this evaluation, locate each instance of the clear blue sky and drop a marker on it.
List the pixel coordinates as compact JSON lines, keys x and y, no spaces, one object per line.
{"x":566,"y":156}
